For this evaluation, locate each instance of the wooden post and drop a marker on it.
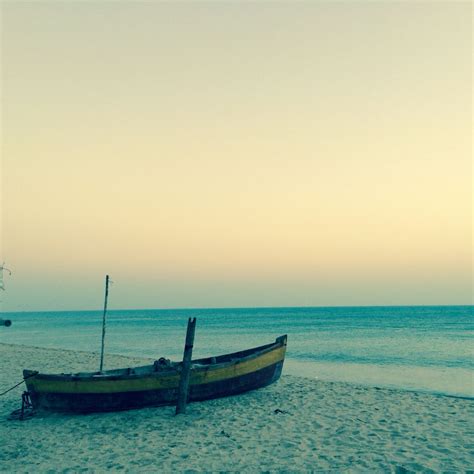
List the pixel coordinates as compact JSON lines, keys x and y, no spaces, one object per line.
{"x":103,"y":323}
{"x":185,"y":368}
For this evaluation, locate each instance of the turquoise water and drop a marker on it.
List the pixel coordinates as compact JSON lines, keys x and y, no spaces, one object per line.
{"x":427,"y":348}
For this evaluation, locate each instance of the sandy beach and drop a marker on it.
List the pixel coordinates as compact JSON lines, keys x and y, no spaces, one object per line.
{"x":297,"y":424}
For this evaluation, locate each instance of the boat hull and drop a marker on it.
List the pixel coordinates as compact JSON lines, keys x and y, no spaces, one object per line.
{"x":112,"y":393}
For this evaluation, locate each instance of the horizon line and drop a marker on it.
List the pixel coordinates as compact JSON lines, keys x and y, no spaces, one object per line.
{"x":239,"y":307}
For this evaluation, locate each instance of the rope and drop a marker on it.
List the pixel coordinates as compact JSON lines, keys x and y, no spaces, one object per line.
{"x":19,"y":383}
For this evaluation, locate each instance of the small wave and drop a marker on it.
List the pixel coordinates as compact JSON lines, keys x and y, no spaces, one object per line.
{"x":387,"y":360}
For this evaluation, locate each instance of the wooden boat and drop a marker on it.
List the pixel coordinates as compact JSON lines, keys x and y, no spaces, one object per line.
{"x":157,"y":384}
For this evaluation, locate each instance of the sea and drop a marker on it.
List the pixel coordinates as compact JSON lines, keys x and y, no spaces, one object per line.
{"x":421,"y":348}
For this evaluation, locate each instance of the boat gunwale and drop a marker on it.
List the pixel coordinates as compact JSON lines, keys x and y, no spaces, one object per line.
{"x":195,"y":367}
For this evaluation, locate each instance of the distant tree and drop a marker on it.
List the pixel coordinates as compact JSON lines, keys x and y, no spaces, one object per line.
{"x":3,"y":269}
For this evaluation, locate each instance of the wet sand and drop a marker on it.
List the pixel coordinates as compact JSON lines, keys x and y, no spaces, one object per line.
{"x":297,"y":424}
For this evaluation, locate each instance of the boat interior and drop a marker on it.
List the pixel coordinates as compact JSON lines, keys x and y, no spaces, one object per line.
{"x":163,"y":365}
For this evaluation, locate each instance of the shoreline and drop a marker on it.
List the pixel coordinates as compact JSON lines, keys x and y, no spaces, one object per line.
{"x":296,"y":424}
{"x":145,"y":360}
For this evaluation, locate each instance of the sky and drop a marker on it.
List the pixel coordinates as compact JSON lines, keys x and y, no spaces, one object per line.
{"x":209,"y":154}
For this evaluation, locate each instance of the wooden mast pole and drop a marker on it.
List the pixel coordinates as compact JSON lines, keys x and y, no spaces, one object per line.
{"x":103,"y":322}
{"x":185,"y":368}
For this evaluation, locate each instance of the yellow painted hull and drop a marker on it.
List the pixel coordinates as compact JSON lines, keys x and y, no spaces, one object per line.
{"x":146,"y":386}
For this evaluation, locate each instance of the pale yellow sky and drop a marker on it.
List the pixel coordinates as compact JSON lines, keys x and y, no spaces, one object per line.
{"x":236,"y":154}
